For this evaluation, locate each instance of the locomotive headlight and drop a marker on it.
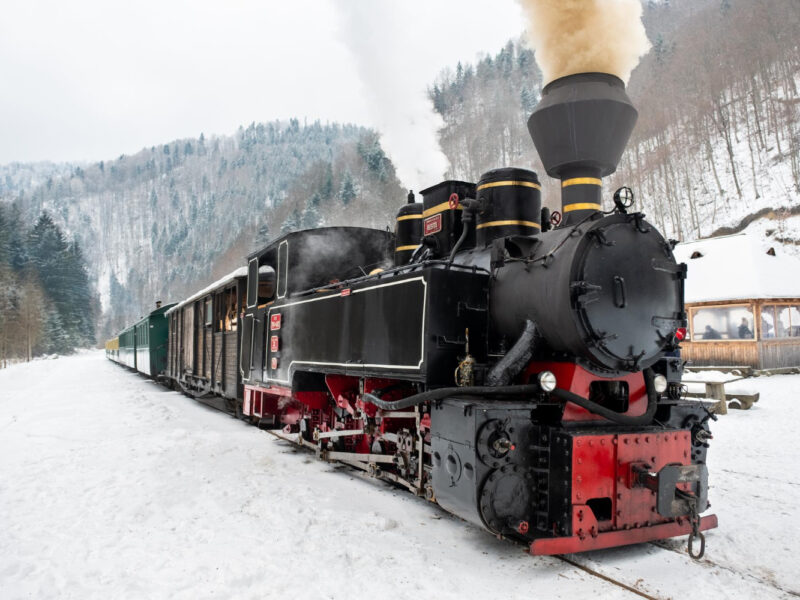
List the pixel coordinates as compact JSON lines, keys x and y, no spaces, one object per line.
{"x":547,"y":381}
{"x":660,"y":384}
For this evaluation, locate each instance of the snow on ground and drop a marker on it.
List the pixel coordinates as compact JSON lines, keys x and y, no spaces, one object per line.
{"x":112,"y":487}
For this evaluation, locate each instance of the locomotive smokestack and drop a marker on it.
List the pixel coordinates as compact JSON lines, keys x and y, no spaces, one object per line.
{"x":580,"y":129}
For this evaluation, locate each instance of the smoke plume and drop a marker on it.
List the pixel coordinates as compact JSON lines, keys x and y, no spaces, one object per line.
{"x":581,"y":36}
{"x":389,"y":61}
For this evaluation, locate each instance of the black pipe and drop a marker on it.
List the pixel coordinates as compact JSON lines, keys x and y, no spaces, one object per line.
{"x":466,"y":219}
{"x":515,"y":359}
{"x":531,"y":388}
{"x":441,"y":393}
{"x":612,"y":415}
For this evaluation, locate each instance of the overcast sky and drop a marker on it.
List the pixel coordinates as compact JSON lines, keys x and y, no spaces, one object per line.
{"x":93,"y":79}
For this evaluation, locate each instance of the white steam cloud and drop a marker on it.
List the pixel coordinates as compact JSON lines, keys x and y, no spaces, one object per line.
{"x":389,"y":66}
{"x":581,"y":36}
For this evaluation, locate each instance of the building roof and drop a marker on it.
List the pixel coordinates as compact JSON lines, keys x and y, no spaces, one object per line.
{"x":738,"y":267}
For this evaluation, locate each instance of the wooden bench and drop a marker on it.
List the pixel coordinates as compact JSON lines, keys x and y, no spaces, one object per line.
{"x":715,"y":390}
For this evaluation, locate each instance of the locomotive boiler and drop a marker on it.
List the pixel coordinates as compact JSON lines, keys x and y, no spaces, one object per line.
{"x":518,"y":367}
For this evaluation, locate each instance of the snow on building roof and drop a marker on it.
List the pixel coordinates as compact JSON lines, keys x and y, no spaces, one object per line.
{"x":240,"y":272}
{"x":737,"y":267}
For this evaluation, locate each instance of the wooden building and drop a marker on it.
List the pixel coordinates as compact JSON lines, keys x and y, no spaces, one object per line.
{"x":743,"y":303}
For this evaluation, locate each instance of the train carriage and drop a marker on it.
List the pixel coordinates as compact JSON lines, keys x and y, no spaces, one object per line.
{"x":204,"y":341}
{"x":150,"y":341}
{"x":112,"y":349}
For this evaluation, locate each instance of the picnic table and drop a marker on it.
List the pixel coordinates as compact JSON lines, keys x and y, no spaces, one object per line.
{"x":715,"y":390}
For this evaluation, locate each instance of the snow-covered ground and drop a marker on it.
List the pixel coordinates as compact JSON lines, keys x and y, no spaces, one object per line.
{"x":112,"y":487}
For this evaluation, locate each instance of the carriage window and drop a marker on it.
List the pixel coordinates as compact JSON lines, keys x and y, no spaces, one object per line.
{"x":209,"y":313}
{"x":780,"y":321}
{"x":266,"y":285}
{"x":283,"y":268}
{"x":723,"y":323}
{"x":228,"y":316}
{"x":252,"y":283}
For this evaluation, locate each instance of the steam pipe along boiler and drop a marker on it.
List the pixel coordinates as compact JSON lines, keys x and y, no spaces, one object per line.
{"x":516,"y":368}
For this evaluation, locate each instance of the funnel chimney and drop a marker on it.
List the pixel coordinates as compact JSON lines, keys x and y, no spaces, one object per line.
{"x":580,"y":129}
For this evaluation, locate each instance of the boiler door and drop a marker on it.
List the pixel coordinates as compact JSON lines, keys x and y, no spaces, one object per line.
{"x":627,"y":293}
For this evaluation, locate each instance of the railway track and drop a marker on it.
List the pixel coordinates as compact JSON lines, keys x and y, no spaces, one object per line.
{"x":605,"y":578}
{"x":740,"y":573}
{"x":728,"y":580}
{"x":725,"y":574}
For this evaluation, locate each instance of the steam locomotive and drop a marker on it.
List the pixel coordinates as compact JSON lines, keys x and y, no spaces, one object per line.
{"x":517,"y":367}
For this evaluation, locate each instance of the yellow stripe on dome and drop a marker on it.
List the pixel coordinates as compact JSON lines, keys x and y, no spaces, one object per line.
{"x":502,"y":223}
{"x":433,"y":210}
{"x":493,"y":184}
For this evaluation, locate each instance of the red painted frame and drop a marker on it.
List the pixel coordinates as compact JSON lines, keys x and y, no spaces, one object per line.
{"x":610,"y":539}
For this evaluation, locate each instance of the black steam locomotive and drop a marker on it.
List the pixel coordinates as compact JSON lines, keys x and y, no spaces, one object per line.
{"x":517,"y":367}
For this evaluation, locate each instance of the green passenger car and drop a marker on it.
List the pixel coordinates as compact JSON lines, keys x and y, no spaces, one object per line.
{"x":143,"y":346}
{"x":150,"y":336}
{"x":127,"y":348}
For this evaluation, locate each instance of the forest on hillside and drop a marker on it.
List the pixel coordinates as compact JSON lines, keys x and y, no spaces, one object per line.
{"x":46,"y":303}
{"x":718,"y":136}
{"x":170,"y":219}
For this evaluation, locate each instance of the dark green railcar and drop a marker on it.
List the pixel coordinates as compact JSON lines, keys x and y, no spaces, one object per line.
{"x":127,"y":348}
{"x":150,"y":338}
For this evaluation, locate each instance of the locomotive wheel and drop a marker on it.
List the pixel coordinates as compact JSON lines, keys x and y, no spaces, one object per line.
{"x":507,"y":500}
{"x":491,"y":450}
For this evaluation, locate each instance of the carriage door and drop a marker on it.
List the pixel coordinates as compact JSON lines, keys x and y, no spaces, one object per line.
{"x":246,"y":352}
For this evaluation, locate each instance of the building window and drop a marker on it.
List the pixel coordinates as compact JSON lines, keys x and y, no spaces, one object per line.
{"x":722,"y":323}
{"x":780,"y":321}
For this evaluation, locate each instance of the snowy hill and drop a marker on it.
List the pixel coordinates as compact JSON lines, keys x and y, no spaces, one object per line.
{"x":172,"y":218}
{"x":718,"y":137}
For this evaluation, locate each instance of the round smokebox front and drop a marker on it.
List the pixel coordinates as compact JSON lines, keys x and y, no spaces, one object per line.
{"x":633,"y":299}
